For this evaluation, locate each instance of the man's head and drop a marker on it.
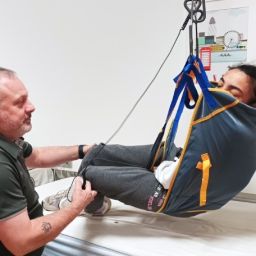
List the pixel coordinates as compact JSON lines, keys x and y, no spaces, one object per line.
{"x":15,"y":107}
{"x":240,"y":81}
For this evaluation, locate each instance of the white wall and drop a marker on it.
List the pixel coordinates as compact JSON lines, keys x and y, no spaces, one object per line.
{"x":85,"y":64}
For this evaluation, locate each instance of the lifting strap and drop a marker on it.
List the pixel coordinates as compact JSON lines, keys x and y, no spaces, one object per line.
{"x":204,"y":166}
{"x":185,"y":87}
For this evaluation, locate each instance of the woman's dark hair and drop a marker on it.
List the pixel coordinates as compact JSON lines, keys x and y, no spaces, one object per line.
{"x":248,"y":69}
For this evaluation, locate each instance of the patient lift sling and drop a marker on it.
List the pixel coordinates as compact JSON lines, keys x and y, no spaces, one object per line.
{"x":218,"y":158}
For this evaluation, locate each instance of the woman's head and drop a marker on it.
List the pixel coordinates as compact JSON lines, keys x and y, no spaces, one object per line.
{"x":240,"y":81}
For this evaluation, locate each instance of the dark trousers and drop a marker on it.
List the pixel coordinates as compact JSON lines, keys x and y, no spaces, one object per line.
{"x":119,"y":172}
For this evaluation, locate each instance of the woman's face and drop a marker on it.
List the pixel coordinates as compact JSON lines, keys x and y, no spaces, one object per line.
{"x":239,"y":84}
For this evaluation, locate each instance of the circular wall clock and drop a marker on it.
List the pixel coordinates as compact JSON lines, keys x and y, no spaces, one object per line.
{"x":231,"y":39}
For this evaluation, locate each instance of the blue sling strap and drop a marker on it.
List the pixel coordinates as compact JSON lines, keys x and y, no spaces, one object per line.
{"x":185,"y":87}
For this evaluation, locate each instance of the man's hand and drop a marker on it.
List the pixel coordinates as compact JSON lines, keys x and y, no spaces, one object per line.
{"x":82,"y":197}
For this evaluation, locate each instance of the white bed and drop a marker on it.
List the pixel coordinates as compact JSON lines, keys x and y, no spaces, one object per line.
{"x":126,"y":230}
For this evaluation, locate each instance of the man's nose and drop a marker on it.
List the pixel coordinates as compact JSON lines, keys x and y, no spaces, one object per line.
{"x":30,"y":107}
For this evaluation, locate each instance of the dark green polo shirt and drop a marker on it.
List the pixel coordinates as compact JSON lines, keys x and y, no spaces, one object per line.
{"x":17,"y":190}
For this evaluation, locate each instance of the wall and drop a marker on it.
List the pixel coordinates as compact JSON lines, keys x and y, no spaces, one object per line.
{"x":85,"y":64}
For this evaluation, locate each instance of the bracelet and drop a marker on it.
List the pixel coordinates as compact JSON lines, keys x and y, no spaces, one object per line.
{"x":81,"y":153}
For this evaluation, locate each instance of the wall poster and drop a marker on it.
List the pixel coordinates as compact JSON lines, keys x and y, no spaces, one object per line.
{"x":225,"y":34}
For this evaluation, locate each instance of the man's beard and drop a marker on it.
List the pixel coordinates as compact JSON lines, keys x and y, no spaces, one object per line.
{"x":17,"y":130}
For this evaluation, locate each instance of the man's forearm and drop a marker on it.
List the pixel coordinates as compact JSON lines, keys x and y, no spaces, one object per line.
{"x":52,"y":156}
{"x":44,"y":229}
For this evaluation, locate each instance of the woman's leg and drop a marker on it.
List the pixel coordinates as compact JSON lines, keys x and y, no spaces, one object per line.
{"x":117,"y":155}
{"x":119,"y":172}
{"x":131,"y":185}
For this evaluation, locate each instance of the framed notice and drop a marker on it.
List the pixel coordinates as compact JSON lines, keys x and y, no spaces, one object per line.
{"x":225,"y":32}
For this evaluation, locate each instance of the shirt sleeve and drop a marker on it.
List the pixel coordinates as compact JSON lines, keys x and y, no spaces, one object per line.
{"x":12,"y":200}
{"x":27,"y":149}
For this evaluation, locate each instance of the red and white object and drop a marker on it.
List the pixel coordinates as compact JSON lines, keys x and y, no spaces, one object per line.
{"x":205,"y":56}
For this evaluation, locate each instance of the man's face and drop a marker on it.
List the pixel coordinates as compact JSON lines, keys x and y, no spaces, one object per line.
{"x":15,"y":108}
{"x":239,"y":85}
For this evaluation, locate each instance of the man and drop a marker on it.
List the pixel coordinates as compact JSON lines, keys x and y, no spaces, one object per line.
{"x":23,"y":228}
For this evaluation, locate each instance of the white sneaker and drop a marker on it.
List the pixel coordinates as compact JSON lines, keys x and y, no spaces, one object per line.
{"x":106,"y":206}
{"x":60,"y":200}
{"x":51,"y":203}
{"x":64,"y":203}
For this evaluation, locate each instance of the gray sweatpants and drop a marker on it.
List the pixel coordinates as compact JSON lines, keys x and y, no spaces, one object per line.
{"x":119,"y":172}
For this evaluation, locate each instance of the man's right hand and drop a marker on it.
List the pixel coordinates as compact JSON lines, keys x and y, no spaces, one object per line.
{"x":82,"y":197}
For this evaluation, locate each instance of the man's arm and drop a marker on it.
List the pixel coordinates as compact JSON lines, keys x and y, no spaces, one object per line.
{"x":21,"y":235}
{"x":52,"y":156}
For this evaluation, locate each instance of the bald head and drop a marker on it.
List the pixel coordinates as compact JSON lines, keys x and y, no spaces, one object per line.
{"x":4,"y":72}
{"x":5,"y":75}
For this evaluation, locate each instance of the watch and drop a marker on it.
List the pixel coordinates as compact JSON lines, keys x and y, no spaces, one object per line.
{"x":231,"y":39}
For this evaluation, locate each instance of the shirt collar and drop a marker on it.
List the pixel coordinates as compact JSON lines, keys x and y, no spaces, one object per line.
{"x":11,"y":147}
